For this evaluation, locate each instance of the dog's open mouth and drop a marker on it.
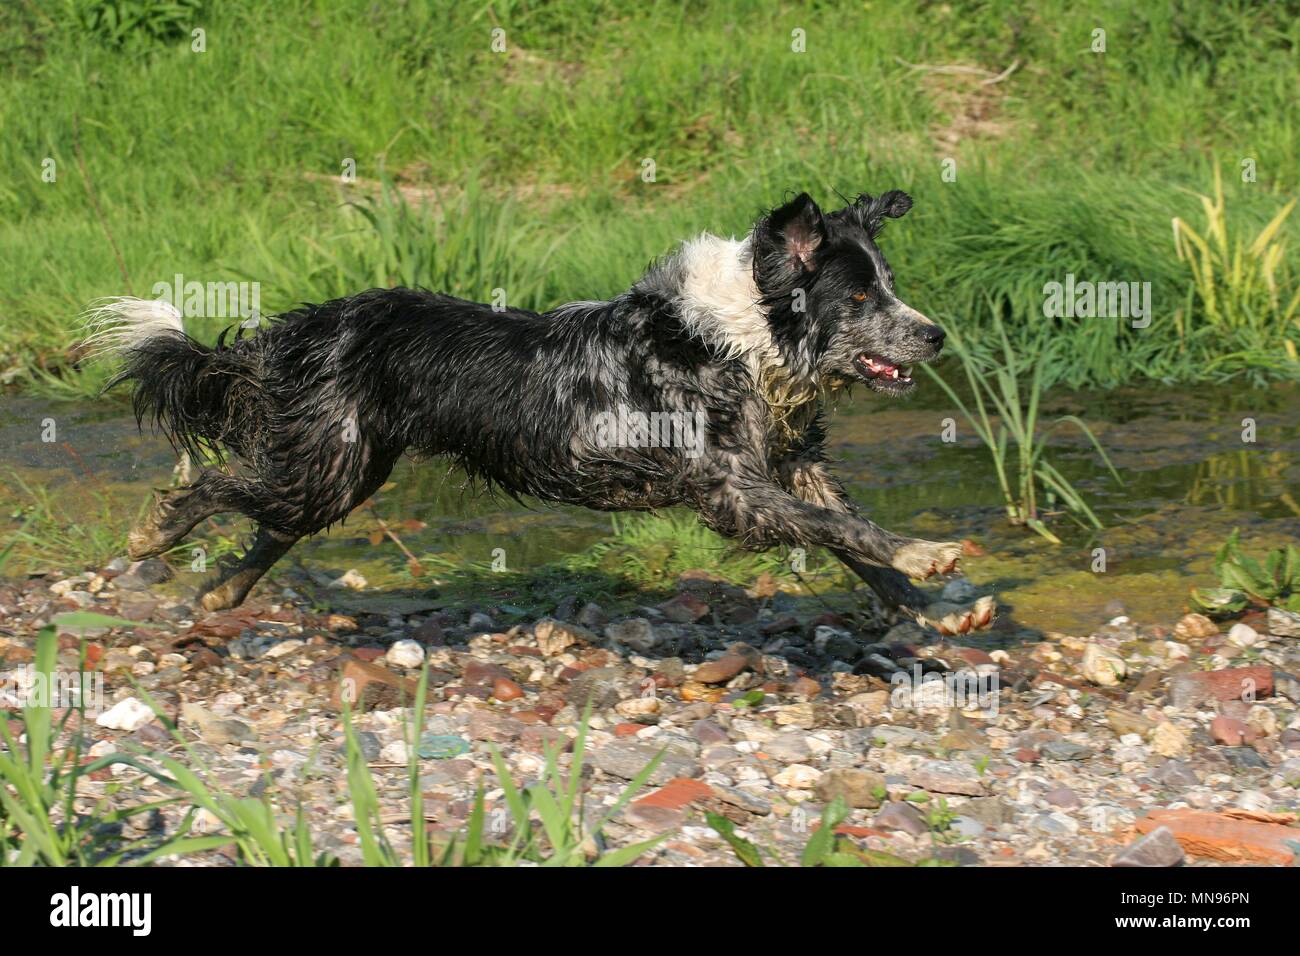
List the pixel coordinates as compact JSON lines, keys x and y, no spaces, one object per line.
{"x":882,"y":374}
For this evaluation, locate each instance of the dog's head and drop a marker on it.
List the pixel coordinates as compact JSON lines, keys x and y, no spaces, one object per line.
{"x":829,"y":293}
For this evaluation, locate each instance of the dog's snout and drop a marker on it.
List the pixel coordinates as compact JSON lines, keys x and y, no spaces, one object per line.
{"x":932,"y":334}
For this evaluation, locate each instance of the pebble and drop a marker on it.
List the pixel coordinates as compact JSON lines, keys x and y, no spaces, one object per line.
{"x":626,"y":759}
{"x":352,"y":578}
{"x":947,"y":776}
{"x":767,"y":738}
{"x":1283,"y":623}
{"x":1242,"y":635}
{"x":405,"y":653}
{"x":128,"y":714}
{"x":1103,"y":666}
{"x":555,"y":637}
{"x":1157,"y":848}
{"x":721,"y":670}
{"x":636,"y":634}
{"x":1065,"y":750}
{"x":1169,"y":740}
{"x":858,"y":788}
{"x":1056,"y":823}
{"x":901,"y":816}
{"x":798,"y":776}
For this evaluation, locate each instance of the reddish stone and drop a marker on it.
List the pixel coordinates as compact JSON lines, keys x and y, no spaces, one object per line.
{"x":17,"y":655}
{"x":856,"y":831}
{"x":204,"y":657}
{"x":1234,"y":683}
{"x":1222,"y":837}
{"x":368,"y":686}
{"x":1025,"y":755}
{"x":481,"y":674}
{"x":721,"y":670}
{"x":569,"y":673}
{"x":1231,"y":731}
{"x":505,"y":689}
{"x":685,"y":608}
{"x":676,"y":794}
{"x":805,"y":686}
{"x":970,"y":655}
{"x":368,"y":654}
{"x":628,"y":730}
{"x":522,"y":650}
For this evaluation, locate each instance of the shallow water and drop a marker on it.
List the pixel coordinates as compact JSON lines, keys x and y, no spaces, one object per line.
{"x":1189,"y":479}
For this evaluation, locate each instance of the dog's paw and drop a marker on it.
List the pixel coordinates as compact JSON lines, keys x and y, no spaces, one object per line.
{"x":952,"y":619}
{"x":151,"y":538}
{"x":220,"y":598}
{"x":921,"y":559}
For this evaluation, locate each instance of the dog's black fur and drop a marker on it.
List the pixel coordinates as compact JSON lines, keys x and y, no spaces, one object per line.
{"x":319,"y":405}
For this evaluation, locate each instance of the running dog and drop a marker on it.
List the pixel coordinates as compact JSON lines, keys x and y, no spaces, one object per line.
{"x":745,"y":337}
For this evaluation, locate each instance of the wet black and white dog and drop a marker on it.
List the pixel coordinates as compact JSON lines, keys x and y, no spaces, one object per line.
{"x":701,"y":386}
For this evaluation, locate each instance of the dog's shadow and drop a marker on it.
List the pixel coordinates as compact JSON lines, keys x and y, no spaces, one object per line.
{"x":690,"y":618}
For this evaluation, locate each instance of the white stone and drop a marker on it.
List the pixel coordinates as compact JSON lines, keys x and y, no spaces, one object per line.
{"x":405,"y":654}
{"x":1263,"y":720}
{"x":1243,"y":635}
{"x":639,"y":707}
{"x":1103,"y":666}
{"x":129,"y":714}
{"x":798,"y":776}
{"x":281,"y":648}
{"x":351,"y":579}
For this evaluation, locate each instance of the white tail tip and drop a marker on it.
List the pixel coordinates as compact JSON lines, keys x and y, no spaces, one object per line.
{"x":120,"y":324}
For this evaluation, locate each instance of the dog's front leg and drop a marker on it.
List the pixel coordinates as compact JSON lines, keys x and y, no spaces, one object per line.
{"x":813,"y":482}
{"x":761,"y":514}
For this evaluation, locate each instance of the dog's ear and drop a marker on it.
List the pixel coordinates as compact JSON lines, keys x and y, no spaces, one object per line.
{"x":797,"y":230}
{"x":874,"y":211}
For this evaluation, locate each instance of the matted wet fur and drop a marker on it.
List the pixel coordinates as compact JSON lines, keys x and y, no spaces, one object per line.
{"x":726,"y":348}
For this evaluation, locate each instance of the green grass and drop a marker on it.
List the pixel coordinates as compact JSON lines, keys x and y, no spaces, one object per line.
{"x":522,"y":168}
{"x":75,"y":527}
{"x":1003,"y":411}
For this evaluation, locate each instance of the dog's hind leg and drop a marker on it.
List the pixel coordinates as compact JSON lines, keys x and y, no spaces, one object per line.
{"x":268,"y":547}
{"x":175,"y":513}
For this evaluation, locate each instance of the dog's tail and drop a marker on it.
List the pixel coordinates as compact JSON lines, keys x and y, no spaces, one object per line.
{"x":181,"y":385}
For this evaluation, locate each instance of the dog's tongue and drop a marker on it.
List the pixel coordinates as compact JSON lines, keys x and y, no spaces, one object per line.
{"x":884,"y":369}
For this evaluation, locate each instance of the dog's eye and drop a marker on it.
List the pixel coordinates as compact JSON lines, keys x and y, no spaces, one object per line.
{"x":859,"y":297}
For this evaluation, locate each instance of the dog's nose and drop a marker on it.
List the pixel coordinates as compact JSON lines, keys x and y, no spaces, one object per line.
{"x":933,"y":334}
